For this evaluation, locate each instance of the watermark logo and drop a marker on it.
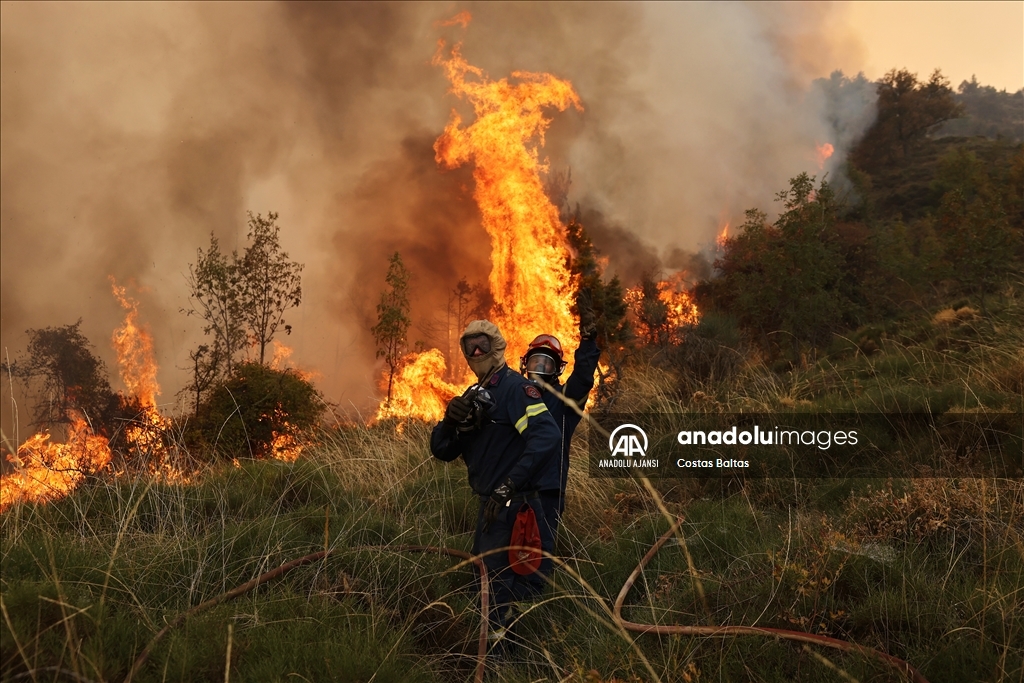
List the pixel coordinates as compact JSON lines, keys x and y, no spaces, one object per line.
{"x":625,"y":440}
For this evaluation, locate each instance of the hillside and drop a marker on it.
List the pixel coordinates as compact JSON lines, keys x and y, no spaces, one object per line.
{"x":923,"y":569}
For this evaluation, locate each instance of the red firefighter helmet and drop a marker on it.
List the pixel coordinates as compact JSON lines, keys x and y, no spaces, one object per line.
{"x":543,"y":358}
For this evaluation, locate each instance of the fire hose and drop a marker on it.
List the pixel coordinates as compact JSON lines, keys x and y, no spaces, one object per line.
{"x":723,"y":631}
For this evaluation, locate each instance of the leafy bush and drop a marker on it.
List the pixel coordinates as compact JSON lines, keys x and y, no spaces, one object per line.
{"x":786,"y":276}
{"x":245,"y":413}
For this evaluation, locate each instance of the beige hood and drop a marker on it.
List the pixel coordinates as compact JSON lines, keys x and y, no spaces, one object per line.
{"x":481,"y":365}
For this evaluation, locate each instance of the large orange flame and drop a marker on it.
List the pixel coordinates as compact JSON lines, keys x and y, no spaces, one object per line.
{"x":529,"y":279}
{"x":45,"y":471}
{"x":138,"y":369}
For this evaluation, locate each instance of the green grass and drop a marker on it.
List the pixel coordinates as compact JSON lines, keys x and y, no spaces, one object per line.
{"x":927,"y":570}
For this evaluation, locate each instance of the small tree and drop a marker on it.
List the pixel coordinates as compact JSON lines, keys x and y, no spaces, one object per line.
{"x":270,"y":283}
{"x":393,"y":322}
{"x":72,"y":377}
{"x":217,"y":296}
{"x":243,"y":299}
{"x":652,"y":313}
{"x":907,"y":110}
{"x":607,"y":296}
{"x":458,"y":306}
{"x":458,"y":302}
{"x":981,"y":243}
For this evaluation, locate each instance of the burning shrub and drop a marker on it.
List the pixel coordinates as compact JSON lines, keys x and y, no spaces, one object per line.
{"x":44,"y":470}
{"x":257,"y":412}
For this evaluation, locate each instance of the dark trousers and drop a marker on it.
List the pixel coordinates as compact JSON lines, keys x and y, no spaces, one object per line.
{"x":506,"y":586}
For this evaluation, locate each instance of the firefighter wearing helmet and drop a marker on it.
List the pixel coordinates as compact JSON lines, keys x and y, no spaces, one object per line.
{"x":504,"y":432}
{"x":544,"y":360}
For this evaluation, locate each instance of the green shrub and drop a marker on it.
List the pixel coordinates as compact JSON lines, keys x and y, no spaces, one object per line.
{"x":710,"y":353}
{"x":244,"y":414}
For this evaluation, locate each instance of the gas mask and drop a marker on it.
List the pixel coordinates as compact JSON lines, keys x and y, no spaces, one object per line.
{"x":543,"y":366}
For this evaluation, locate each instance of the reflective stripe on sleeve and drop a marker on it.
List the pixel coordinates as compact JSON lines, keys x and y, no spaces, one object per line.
{"x":532,"y":410}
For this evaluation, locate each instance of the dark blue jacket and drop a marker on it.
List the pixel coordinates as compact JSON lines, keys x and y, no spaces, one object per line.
{"x":576,"y":388}
{"x":517,"y":441}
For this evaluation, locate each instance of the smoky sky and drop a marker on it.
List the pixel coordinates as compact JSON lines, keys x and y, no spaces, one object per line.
{"x":132,"y":132}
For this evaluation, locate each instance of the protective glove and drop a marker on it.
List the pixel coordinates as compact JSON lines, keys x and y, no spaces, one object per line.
{"x":458,"y":410}
{"x":497,"y":502}
{"x":585,"y":307}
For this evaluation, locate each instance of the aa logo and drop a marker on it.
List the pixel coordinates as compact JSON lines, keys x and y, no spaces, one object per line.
{"x":628,"y":440}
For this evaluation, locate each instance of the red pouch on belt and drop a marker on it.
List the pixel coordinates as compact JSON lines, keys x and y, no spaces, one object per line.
{"x":525,"y":554}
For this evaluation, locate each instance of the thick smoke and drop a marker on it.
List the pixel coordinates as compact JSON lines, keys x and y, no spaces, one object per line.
{"x":133,"y":132}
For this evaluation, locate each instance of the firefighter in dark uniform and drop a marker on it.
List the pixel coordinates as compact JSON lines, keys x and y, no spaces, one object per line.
{"x":544,"y":360}
{"x":505,"y":433}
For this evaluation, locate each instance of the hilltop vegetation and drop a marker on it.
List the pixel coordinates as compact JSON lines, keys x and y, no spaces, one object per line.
{"x":926,"y":220}
{"x":987,"y":113}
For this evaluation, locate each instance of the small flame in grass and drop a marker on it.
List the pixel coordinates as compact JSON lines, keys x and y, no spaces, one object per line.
{"x":824,"y":151}
{"x":285,"y":444}
{"x":45,"y":471}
